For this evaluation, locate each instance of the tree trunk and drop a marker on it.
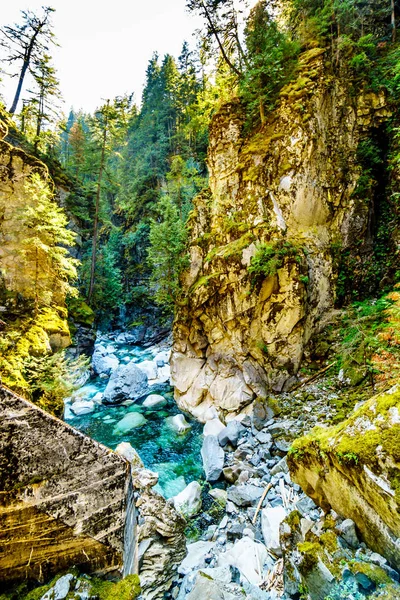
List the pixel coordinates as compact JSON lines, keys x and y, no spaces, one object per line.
{"x":25,"y":65}
{"x":96,"y":215}
{"x":393,"y":20}
{"x":37,"y":284}
{"x":221,"y":47}
{"x":262,"y":111}
{"x":19,"y":86}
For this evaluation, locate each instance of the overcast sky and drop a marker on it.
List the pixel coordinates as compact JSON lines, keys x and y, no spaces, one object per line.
{"x":105,"y":46}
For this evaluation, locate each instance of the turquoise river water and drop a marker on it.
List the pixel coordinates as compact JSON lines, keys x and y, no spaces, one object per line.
{"x":175,"y":457}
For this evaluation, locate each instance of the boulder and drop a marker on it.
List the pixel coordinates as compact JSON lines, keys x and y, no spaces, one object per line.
{"x":128,"y":381}
{"x":213,"y":458}
{"x":154,"y":400}
{"x":271,"y":518}
{"x":82,"y":407}
{"x":213,"y":427}
{"x":61,"y":589}
{"x":162,"y":358}
{"x":164,"y":374}
{"x":231,"y":433}
{"x":178,"y":423}
{"x":104,"y":364}
{"x":347,"y":530}
{"x":196,"y":553}
{"x":144,"y":478}
{"x":245,"y":495}
{"x":249,"y":557}
{"x":188,"y":502}
{"x":130,"y":421}
{"x":128,"y":452}
{"x":207,"y":588}
{"x":149,"y":368}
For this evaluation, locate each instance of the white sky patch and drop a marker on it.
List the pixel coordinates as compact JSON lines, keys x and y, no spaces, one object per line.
{"x":105,"y":46}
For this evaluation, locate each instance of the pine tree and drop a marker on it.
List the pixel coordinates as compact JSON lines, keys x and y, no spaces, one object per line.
{"x":166,"y":254}
{"x":44,"y":98}
{"x":27,"y":43}
{"x":49,"y":268}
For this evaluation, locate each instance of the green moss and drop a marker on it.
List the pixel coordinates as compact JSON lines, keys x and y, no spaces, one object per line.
{"x":233,"y":249}
{"x":373,"y":572}
{"x":80,"y":312}
{"x":205,"y":280}
{"x":293,"y":519}
{"x":309,"y":55}
{"x":126,"y":589}
{"x":355,"y":445}
{"x":329,"y":541}
{"x":50,"y":320}
{"x":310,"y":554}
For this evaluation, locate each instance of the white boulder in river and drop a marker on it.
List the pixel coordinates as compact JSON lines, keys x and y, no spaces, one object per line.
{"x":188,"y":502}
{"x":213,"y":457}
{"x":128,"y":381}
{"x":82,"y":407}
{"x":104,"y":364}
{"x":130,"y":421}
{"x":271,"y":518}
{"x":149,"y":367}
{"x":154,"y":400}
{"x":127,"y":451}
{"x":178,"y":423}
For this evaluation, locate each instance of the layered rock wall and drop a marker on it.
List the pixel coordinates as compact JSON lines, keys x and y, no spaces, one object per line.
{"x":63,"y":496}
{"x":290,"y":186}
{"x":354,"y":468}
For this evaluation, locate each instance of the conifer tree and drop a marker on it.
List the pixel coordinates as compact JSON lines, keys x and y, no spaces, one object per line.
{"x":49,"y":267}
{"x":26,"y":44}
{"x":166,"y":253}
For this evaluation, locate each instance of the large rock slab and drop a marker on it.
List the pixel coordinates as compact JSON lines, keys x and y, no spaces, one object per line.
{"x":354,"y":468}
{"x":64,"y":496}
{"x":128,"y":381}
{"x":213,"y":458}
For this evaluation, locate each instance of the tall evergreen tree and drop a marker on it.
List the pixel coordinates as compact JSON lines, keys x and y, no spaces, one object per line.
{"x":26,"y":44}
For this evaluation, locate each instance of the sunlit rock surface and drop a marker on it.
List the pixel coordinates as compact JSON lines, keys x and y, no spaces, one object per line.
{"x":63,"y":496}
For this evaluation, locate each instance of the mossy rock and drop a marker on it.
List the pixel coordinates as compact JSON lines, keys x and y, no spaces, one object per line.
{"x":126,"y":589}
{"x":80,"y":312}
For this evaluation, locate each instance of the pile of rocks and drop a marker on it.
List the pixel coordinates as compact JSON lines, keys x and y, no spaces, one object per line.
{"x":271,"y":537}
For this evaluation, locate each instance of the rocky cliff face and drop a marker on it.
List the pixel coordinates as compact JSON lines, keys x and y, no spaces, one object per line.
{"x":354,"y":469}
{"x":240,"y":332}
{"x":63,"y":496}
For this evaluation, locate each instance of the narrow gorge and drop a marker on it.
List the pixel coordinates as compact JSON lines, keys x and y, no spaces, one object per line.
{"x":200,"y":312}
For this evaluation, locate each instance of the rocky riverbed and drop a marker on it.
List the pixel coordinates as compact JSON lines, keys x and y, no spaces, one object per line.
{"x":251,"y":531}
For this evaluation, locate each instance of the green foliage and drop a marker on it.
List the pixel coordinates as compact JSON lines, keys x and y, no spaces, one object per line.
{"x":29,"y":366}
{"x":166,"y":253}
{"x":108,"y":289}
{"x":49,"y":268}
{"x":270,"y":257}
{"x":271,"y":62}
